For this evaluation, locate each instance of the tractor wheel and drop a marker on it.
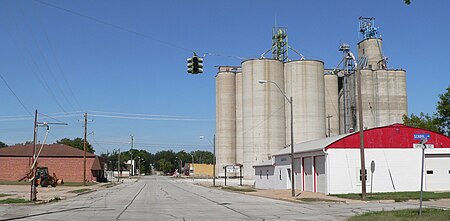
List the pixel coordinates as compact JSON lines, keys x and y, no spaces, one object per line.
{"x":44,"y":183}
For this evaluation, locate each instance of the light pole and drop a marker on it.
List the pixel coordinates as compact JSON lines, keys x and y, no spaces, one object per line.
{"x":291,"y":102}
{"x":181,"y":163}
{"x":214,"y":157}
{"x":192,"y":164}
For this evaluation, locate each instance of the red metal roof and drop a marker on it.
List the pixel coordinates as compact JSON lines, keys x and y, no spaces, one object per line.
{"x":49,"y":150}
{"x":392,"y":136}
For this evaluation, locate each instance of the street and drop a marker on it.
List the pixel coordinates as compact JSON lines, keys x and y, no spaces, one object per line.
{"x":162,"y":198}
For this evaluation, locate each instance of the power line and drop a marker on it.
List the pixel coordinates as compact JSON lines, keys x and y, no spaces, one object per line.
{"x":15,"y":95}
{"x":113,"y":25}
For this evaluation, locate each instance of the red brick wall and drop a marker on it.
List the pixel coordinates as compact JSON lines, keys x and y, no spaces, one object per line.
{"x":68,"y":169}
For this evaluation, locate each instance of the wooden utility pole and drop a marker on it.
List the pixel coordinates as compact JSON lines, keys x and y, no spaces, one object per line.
{"x":84,"y":146}
{"x":33,"y":194}
{"x":361,"y":136}
{"x":131,"y":156}
{"x":329,"y":124}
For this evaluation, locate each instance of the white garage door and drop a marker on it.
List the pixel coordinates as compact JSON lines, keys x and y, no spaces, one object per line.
{"x":308,"y":174}
{"x":437,"y":172}
{"x":319,"y":169}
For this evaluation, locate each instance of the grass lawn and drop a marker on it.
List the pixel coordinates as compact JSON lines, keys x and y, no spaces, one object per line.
{"x":78,"y":184}
{"x":14,"y":183}
{"x":84,"y":190}
{"x":312,"y":200}
{"x":403,"y":215}
{"x":398,"y":197}
{"x":239,"y":189}
{"x":12,"y":200}
{"x":3,"y":194}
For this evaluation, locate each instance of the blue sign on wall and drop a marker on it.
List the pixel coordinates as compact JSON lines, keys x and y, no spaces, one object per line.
{"x":421,"y":136}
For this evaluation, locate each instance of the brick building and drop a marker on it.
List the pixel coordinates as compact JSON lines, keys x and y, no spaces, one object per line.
{"x":65,"y":161}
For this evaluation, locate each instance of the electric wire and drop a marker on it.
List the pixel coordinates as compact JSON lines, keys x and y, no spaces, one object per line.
{"x":113,"y":25}
{"x":15,"y":95}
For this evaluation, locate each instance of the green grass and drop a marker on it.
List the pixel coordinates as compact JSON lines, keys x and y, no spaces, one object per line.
{"x":78,"y":184}
{"x":403,"y":215}
{"x":14,"y":200}
{"x":3,"y":182}
{"x":312,"y":200}
{"x":239,"y":189}
{"x":81,"y":190}
{"x":3,"y":194}
{"x":398,"y":197}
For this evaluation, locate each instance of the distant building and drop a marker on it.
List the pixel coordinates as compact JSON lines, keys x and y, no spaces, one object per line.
{"x":65,"y":161}
{"x":332,"y":165}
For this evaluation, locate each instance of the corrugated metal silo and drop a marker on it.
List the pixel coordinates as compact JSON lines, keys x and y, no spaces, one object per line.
{"x":263,"y":112}
{"x":305,"y":82}
{"x":239,"y":132}
{"x":331,"y":104}
{"x":225,"y":120}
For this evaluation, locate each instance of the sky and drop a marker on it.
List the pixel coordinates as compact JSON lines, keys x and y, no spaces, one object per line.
{"x":124,"y":62}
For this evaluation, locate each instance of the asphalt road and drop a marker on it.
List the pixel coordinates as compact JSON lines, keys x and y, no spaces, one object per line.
{"x":162,"y":198}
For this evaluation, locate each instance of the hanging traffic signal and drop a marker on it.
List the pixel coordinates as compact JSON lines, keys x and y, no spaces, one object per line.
{"x":195,"y":65}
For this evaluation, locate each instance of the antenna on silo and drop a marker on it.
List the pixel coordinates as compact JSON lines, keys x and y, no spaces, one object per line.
{"x":368,"y":30}
{"x":280,"y":45}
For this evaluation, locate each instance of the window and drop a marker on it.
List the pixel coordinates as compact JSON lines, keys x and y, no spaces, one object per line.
{"x":260,"y":174}
{"x":429,"y":172}
{"x":280,"y":174}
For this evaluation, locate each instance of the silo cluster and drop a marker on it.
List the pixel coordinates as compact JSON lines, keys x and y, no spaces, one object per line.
{"x":253,"y":119}
{"x":262,"y":112}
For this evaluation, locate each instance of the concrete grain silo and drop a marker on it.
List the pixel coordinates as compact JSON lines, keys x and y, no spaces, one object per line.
{"x":225,"y":120}
{"x":372,"y":49}
{"x":263,"y":112}
{"x":304,"y":81}
{"x":331,"y":104}
{"x":239,"y":131}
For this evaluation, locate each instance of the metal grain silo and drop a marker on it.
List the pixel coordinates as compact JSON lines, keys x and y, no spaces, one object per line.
{"x":239,"y":132}
{"x":263,"y":112}
{"x":372,"y":49}
{"x":304,"y":81}
{"x":225,"y":120}
{"x":331,"y":104}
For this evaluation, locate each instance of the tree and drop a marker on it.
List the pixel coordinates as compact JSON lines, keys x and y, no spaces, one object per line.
{"x":443,"y":112}
{"x":423,"y":121}
{"x":408,"y":2}
{"x":77,"y":143}
{"x":439,"y":121}
{"x":3,"y":145}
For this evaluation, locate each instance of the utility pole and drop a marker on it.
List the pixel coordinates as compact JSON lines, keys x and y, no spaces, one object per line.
{"x":131,"y":154}
{"x":118,"y":165}
{"x":361,"y":136}
{"x":329,"y":128}
{"x":84,"y":146}
{"x":33,"y":187}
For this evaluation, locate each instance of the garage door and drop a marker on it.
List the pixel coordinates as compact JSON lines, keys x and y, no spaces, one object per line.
{"x":320,"y":179}
{"x":308,"y":176}
{"x":437,"y":172}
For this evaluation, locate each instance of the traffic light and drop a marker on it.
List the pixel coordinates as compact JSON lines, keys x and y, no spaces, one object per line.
{"x":195,"y":65}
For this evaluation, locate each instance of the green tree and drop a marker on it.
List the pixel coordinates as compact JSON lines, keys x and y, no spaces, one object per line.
{"x":3,"y":144}
{"x":443,"y":112}
{"x":165,"y":166}
{"x":408,"y":2}
{"x":423,"y":121}
{"x":77,"y":143}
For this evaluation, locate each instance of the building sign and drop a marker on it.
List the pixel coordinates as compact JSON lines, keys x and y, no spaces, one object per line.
{"x":421,"y":136}
{"x":233,"y":169}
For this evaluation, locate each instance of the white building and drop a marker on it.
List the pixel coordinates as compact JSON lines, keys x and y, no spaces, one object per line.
{"x":332,"y":165}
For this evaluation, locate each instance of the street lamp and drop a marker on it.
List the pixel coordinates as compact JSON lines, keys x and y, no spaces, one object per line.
{"x":181,"y":163}
{"x":214,"y":157}
{"x":291,"y":102}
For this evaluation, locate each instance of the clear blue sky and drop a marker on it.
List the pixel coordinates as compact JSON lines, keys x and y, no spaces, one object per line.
{"x":59,"y":62}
